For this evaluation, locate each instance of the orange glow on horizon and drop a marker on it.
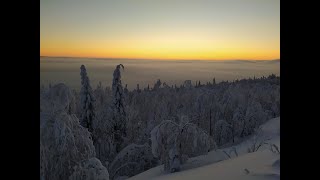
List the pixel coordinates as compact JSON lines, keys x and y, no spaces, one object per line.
{"x":216,"y":56}
{"x":166,"y":49}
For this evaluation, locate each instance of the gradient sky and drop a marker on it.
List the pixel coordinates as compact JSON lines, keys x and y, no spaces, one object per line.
{"x":161,"y":29}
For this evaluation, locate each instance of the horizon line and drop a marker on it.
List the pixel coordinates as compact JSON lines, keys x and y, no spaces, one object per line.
{"x":155,"y":59}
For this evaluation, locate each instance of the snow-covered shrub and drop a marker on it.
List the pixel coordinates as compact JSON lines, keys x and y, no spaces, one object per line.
{"x":254,"y":117}
{"x":103,"y":141}
{"x":171,"y":140}
{"x":192,"y":141}
{"x":43,"y":160}
{"x":132,"y":160}
{"x":238,"y":123}
{"x":223,"y":132}
{"x":274,"y":148}
{"x":90,"y":169}
{"x":174,"y":160}
{"x":63,"y":144}
{"x":213,"y":144}
{"x":258,"y":140}
{"x":163,"y":138}
{"x":102,"y":126}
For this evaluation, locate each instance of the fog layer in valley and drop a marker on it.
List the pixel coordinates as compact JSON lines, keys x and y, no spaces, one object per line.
{"x":144,"y":72}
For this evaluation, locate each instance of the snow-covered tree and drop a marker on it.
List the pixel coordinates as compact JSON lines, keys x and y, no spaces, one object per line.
{"x":42,"y":88}
{"x":187,"y":84}
{"x":118,"y":109}
{"x":183,"y":122}
{"x":104,"y":138}
{"x":102,"y":98}
{"x":59,"y":97}
{"x":63,"y":141}
{"x":138,"y":89}
{"x":237,"y":123}
{"x":192,"y":141}
{"x":90,"y":169}
{"x":126,"y":91}
{"x":63,"y":144}
{"x":253,"y":118}
{"x":102,"y":126}
{"x":157,"y":85}
{"x":43,"y":160}
{"x":87,"y":101}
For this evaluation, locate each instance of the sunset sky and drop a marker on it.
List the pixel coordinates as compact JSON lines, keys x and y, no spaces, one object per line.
{"x":161,"y":29}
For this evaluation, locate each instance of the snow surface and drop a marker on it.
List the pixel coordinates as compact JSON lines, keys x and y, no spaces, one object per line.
{"x":262,"y":164}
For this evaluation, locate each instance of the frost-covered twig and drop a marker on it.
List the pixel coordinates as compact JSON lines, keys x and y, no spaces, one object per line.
{"x":227,"y":154}
{"x":256,"y":145}
{"x":235,"y":151}
{"x":274,"y":148}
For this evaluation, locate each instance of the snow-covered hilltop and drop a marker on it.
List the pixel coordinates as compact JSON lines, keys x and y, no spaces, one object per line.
{"x":160,"y":131}
{"x":233,"y":162}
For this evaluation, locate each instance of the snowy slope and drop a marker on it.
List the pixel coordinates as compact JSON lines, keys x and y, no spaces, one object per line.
{"x":262,"y":164}
{"x":258,"y":164}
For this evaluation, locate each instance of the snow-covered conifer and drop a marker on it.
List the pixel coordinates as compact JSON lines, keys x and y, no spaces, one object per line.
{"x":87,"y":101}
{"x":118,"y":109}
